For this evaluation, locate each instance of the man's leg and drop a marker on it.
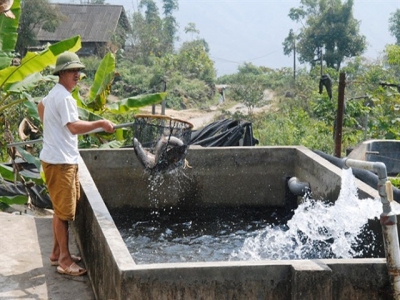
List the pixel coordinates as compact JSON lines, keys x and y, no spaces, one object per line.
{"x":62,"y":183}
{"x":66,"y":264}
{"x":55,"y":253}
{"x":61,"y":234}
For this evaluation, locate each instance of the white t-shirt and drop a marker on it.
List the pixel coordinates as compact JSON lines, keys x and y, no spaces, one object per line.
{"x":60,"y":146}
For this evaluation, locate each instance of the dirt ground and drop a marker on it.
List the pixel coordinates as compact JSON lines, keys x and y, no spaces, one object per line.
{"x":199,"y":118}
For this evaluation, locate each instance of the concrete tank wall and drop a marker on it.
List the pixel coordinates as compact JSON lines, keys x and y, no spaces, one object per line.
{"x":220,"y":176}
{"x":216,"y":177}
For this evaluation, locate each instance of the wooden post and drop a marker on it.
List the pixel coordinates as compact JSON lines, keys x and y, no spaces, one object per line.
{"x":163,"y":106}
{"x":339,"y":115}
{"x":321,"y":62}
{"x":164,"y":103}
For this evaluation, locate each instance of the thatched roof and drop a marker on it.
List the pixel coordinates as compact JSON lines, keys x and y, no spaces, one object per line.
{"x":94,"y":23}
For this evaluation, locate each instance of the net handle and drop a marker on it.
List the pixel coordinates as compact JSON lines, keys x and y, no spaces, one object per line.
{"x":165,"y":118}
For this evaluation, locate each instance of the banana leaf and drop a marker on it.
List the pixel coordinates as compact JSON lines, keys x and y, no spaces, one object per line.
{"x":101,"y":86}
{"x":36,"y":62}
{"x":26,"y":84}
{"x":112,"y":144}
{"x":29,"y":157}
{"x":30,"y":82}
{"x":32,"y":110}
{"x":87,"y":115}
{"x":128,"y":104}
{"x":10,"y":200}
{"x":7,"y":173}
{"x":9,"y":35}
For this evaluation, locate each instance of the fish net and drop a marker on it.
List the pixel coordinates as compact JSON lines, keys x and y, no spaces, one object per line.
{"x":150,"y":129}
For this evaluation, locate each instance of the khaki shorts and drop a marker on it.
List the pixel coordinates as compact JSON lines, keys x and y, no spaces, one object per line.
{"x":63,"y":184}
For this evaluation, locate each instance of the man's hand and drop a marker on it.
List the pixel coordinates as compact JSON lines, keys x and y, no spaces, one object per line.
{"x":108,"y":126}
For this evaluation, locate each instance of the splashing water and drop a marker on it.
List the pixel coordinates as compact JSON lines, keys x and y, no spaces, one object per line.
{"x":155,"y":181}
{"x":317,"y":229}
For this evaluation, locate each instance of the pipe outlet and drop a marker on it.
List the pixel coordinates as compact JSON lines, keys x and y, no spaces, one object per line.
{"x":297,"y":187}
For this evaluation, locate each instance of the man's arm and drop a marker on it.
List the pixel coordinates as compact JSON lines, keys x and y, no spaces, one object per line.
{"x":82,"y":127}
{"x":41,"y":110}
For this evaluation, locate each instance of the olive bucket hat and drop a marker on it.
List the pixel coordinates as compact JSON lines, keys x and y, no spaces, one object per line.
{"x":66,"y":61}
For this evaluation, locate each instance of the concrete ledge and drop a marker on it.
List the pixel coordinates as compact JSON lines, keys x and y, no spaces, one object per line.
{"x":360,"y":279}
{"x":306,"y":274}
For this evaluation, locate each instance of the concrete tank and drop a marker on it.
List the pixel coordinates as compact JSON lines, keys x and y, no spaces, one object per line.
{"x":219,"y":177}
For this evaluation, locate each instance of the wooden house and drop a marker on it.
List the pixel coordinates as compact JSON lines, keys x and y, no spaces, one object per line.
{"x":98,"y":25}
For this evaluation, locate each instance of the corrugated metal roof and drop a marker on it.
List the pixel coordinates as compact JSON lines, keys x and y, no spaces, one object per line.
{"x":94,"y":23}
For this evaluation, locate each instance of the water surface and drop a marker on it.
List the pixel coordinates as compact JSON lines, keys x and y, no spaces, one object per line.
{"x":316,"y":229}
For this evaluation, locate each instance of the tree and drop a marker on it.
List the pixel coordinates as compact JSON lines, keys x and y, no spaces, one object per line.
{"x":194,"y":62}
{"x":329,"y":32}
{"x":170,"y":26}
{"x":153,"y":36}
{"x":35,"y":13}
{"x":289,"y":45}
{"x":394,"y":25}
{"x":191,"y":28}
{"x":248,"y":85}
{"x":147,"y":33}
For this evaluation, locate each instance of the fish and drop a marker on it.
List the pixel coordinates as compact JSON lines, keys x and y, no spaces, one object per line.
{"x":169,"y":153}
{"x":146,"y":158}
{"x":171,"y":159}
{"x":5,"y":6}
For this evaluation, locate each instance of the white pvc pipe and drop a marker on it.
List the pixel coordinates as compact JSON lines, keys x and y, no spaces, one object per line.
{"x":392,"y":257}
{"x":388,"y":220}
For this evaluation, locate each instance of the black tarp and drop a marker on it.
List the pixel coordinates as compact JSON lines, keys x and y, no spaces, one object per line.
{"x":224,"y":133}
{"x":38,"y":193}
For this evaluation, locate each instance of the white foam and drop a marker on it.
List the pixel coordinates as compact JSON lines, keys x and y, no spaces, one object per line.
{"x":317,"y":229}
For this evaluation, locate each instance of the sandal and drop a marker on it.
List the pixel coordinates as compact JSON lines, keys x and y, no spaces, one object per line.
{"x":73,"y":270}
{"x":74,"y":258}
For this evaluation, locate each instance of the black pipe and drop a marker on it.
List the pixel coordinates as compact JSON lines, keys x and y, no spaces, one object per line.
{"x":366,"y":176}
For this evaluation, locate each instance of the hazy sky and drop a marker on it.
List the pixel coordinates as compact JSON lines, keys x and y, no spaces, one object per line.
{"x":239,"y":31}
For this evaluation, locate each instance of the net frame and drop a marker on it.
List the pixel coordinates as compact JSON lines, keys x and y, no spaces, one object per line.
{"x":149,"y":128}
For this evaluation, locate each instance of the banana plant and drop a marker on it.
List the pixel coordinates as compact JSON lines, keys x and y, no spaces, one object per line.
{"x":100,"y":90}
{"x":8,"y":35}
{"x":97,"y":103}
{"x":28,"y":179}
{"x":7,"y":174}
{"x":16,"y":82}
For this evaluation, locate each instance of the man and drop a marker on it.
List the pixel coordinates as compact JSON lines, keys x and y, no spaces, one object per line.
{"x":59,"y":156}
